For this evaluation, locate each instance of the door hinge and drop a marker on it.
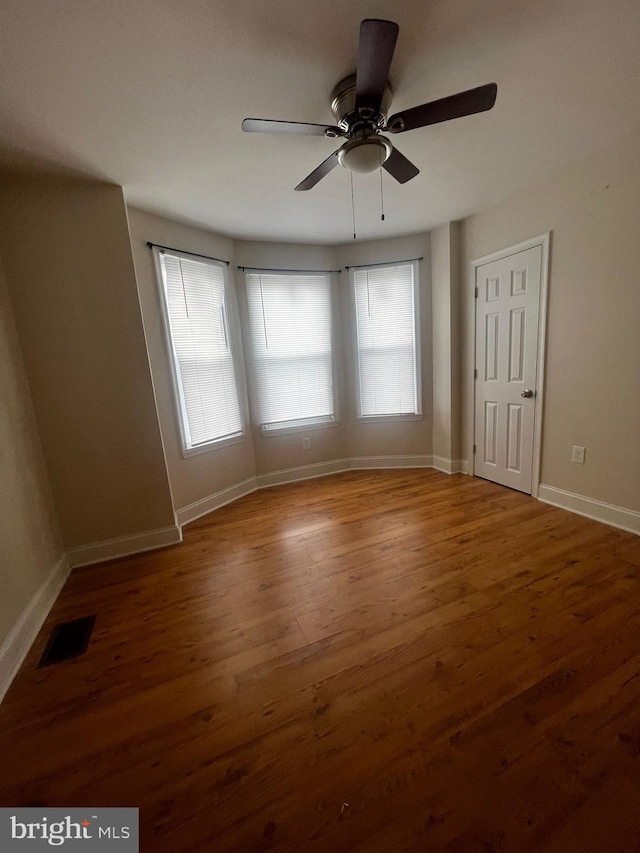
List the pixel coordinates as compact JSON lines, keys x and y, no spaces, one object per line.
{"x":474,"y":450}
{"x":475,"y":293}
{"x":475,"y":373}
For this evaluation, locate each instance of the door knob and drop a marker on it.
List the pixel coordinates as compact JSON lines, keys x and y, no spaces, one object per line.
{"x":527,"y":393}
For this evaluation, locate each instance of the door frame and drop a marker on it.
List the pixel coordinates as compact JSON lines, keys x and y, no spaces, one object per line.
{"x":544,"y":241}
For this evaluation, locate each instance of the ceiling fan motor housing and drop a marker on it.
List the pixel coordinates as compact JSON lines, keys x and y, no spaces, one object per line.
{"x":358,"y":123}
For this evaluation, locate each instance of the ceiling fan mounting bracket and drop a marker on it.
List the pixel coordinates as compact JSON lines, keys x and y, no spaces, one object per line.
{"x":358,"y":122}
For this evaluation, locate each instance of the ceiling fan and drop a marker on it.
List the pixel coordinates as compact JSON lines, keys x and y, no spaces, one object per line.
{"x":360,"y":104}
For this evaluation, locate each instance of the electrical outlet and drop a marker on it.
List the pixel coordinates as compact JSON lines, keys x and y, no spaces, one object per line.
{"x":306,"y":443}
{"x":578,"y":454}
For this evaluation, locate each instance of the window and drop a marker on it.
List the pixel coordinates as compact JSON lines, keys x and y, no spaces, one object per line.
{"x":290,"y":328}
{"x":387,"y":342}
{"x":197,"y":315}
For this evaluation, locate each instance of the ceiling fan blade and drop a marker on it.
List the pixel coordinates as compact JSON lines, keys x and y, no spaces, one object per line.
{"x":399,"y":167}
{"x":265,"y":125}
{"x":375,"y":52}
{"x":323,"y":169}
{"x":455,"y":106}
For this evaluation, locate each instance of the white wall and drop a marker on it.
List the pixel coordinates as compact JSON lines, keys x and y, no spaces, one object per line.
{"x":69,"y":271}
{"x":31,"y":549}
{"x":446,"y":345}
{"x":593,"y":341}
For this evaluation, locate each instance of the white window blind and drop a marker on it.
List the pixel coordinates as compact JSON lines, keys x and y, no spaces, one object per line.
{"x":290,"y":323}
{"x":199,"y":335}
{"x":387,"y":340}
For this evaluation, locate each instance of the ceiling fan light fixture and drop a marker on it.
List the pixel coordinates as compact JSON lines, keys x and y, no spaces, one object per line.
{"x":364,"y":155}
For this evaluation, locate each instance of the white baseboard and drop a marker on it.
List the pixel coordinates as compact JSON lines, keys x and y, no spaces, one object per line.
{"x":360,"y":463}
{"x":16,"y":645}
{"x":124,"y":546}
{"x":219,"y":499}
{"x":294,"y":475}
{"x":304,"y":472}
{"x":465,"y":466}
{"x":448,"y":466}
{"x":616,"y":516}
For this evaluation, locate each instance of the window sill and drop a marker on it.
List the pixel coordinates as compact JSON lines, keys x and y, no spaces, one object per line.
{"x":291,"y":430}
{"x":218,"y":444}
{"x":381,"y":419}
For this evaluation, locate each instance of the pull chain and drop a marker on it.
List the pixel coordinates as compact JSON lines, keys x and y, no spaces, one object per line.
{"x":381,"y":197}
{"x":353,"y":208}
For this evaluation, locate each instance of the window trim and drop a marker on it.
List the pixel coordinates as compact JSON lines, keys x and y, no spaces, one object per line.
{"x":231,"y":315}
{"x":392,"y":416}
{"x":314,"y":423}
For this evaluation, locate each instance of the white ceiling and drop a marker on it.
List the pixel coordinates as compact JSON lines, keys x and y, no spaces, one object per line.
{"x":150,"y":94}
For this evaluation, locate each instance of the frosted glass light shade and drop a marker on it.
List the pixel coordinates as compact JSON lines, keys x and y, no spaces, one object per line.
{"x":364,"y":155}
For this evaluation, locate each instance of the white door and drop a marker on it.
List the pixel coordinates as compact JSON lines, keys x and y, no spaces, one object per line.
{"x":507,"y":311}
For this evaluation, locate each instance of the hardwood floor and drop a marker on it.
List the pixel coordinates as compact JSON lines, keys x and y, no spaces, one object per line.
{"x":372,"y":661}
